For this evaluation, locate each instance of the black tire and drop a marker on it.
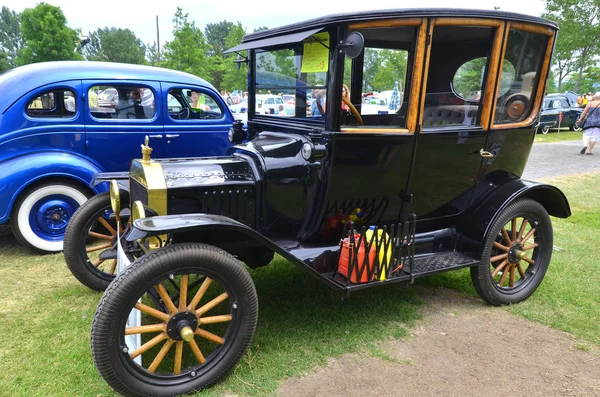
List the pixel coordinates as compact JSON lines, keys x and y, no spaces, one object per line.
{"x":77,"y":240}
{"x":545,"y":129}
{"x":42,"y":212}
{"x":575,"y":128}
{"x":170,"y":264}
{"x":538,"y":246}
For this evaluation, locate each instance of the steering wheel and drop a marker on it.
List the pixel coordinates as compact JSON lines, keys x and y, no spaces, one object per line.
{"x":184,"y":114}
{"x":353,"y":110}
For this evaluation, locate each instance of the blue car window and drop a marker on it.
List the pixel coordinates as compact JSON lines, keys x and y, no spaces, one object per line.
{"x":121,"y":102}
{"x":56,"y":103}
{"x":185,"y":103}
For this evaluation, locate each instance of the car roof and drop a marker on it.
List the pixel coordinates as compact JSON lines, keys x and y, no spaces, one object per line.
{"x":17,"y":82}
{"x":394,"y":13}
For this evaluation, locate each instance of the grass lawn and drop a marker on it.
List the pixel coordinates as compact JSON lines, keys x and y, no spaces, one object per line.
{"x":45,"y":314}
{"x":554,"y":136}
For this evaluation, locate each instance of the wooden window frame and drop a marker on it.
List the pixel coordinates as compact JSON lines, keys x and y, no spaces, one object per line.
{"x":541,"y":82}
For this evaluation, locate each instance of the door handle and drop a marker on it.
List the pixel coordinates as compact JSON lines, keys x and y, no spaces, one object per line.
{"x":169,"y":136}
{"x":155,"y":136}
{"x":485,"y":154}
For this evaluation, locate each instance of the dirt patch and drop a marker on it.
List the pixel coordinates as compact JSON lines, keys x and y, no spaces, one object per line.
{"x":462,"y":347}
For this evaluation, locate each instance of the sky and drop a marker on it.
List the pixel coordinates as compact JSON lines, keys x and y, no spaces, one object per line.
{"x":140,"y":16}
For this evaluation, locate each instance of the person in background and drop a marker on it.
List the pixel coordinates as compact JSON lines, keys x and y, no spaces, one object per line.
{"x":591,"y":125}
{"x":92,"y":100}
{"x":345,"y":94}
{"x":281,"y":111}
{"x":317,"y":106}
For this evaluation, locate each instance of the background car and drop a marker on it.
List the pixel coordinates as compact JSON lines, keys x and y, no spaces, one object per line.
{"x":63,"y":122}
{"x":556,"y":104}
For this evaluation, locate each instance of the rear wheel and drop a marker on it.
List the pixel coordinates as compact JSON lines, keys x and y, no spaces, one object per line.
{"x":90,"y":242}
{"x":545,"y":129}
{"x":575,"y":127}
{"x":176,"y":320}
{"x":516,"y":255}
{"x":41,"y":214}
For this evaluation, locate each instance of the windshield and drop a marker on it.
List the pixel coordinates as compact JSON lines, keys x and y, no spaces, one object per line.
{"x":291,"y":82}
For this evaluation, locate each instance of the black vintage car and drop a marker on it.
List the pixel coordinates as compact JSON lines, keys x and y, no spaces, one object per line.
{"x":358,"y":195}
{"x":559,"y":110}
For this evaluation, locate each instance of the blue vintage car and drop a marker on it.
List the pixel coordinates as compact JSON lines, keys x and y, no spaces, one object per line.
{"x":63,"y":122}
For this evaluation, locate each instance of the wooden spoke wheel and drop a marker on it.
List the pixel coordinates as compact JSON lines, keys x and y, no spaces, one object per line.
{"x":90,"y":242}
{"x":516,"y":255}
{"x":176,"y":320}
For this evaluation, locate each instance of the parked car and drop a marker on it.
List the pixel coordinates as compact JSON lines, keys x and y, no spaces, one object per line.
{"x":559,"y":108}
{"x":356,"y":200}
{"x":63,"y":122}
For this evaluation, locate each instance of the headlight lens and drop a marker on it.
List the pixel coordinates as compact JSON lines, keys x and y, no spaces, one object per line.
{"x":138,"y":211}
{"x":307,"y":151}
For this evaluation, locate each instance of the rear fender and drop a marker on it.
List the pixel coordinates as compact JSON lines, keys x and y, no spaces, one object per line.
{"x":19,"y":173}
{"x":475,"y":225}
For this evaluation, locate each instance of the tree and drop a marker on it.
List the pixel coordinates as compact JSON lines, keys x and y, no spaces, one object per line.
{"x":47,"y":36}
{"x":115,"y":45}
{"x":234,"y":78}
{"x":4,"y":62}
{"x":216,"y":34}
{"x":152,"y":55}
{"x":10,"y":35}
{"x":580,"y":26}
{"x":187,"y":51}
{"x":589,"y":82}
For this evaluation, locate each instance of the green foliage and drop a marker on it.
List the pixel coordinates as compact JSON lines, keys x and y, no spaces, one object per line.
{"x":382,"y":68}
{"x":216,"y":35}
{"x":234,"y":79}
{"x":468,"y":79}
{"x":47,"y":36}
{"x":10,"y":36}
{"x":115,"y":45}
{"x":152,"y":56}
{"x":187,"y":52}
{"x":4,"y":62}
{"x":588,"y":83}
{"x":577,"y":43}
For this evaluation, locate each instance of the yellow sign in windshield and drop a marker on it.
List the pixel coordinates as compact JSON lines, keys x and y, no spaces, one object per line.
{"x":316,"y":55}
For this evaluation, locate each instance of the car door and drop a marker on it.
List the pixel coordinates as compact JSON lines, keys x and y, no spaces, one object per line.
{"x":118,"y":117}
{"x":196,"y":121}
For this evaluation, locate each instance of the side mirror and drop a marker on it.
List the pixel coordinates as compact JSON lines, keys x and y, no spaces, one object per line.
{"x":352,"y":45}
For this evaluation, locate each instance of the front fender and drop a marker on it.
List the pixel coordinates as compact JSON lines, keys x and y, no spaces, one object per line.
{"x":475,"y":225}
{"x":122,"y":179}
{"x":20,"y":172}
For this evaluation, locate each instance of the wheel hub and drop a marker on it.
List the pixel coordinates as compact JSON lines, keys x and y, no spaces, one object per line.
{"x":52,"y":216}
{"x":516,"y":253}
{"x":182,"y":326}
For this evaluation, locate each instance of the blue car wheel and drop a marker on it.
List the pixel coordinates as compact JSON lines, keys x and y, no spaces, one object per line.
{"x":41,"y":214}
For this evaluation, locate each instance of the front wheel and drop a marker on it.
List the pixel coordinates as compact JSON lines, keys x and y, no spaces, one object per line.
{"x":545,"y":129}
{"x":90,"y":242}
{"x":41,"y":214}
{"x":175,"y":321}
{"x":516,"y":254}
{"x":575,"y":127}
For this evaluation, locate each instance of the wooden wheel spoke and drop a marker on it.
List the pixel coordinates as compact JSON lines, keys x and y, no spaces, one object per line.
{"x":145,"y":329}
{"x":160,"y":356}
{"x":98,"y":248}
{"x":152,"y":312}
{"x":215,"y":319}
{"x":199,"y":294}
{"x":101,"y":236}
{"x":498,"y":257}
{"x":107,"y":226}
{"x":166,"y":298}
{"x":148,"y":345}
{"x":113,"y":266}
{"x":178,"y":357}
{"x":501,"y":247}
{"x":528,"y":235}
{"x":531,"y":246}
{"x":98,"y":262}
{"x":209,"y":336}
{"x":521,"y":272}
{"x":183,"y":287}
{"x":511,"y":282}
{"x":500,"y":267}
{"x":522,"y":230}
{"x":513,"y":229}
{"x":503,"y":278}
{"x":505,"y":235}
{"x":212,"y":304}
{"x":197,"y":352}
{"x":530,"y":261}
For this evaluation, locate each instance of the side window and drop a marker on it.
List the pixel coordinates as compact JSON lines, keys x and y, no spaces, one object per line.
{"x":377,"y":83}
{"x":186,"y":103}
{"x":57,"y":103}
{"x":121,"y":102}
{"x":526,"y":51}
{"x":456,"y":77}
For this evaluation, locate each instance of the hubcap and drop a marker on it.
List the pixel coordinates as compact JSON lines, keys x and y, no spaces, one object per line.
{"x":49,"y":217}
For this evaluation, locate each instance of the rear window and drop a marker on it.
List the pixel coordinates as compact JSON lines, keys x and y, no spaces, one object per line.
{"x":131,"y":102}
{"x":56,"y":103}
